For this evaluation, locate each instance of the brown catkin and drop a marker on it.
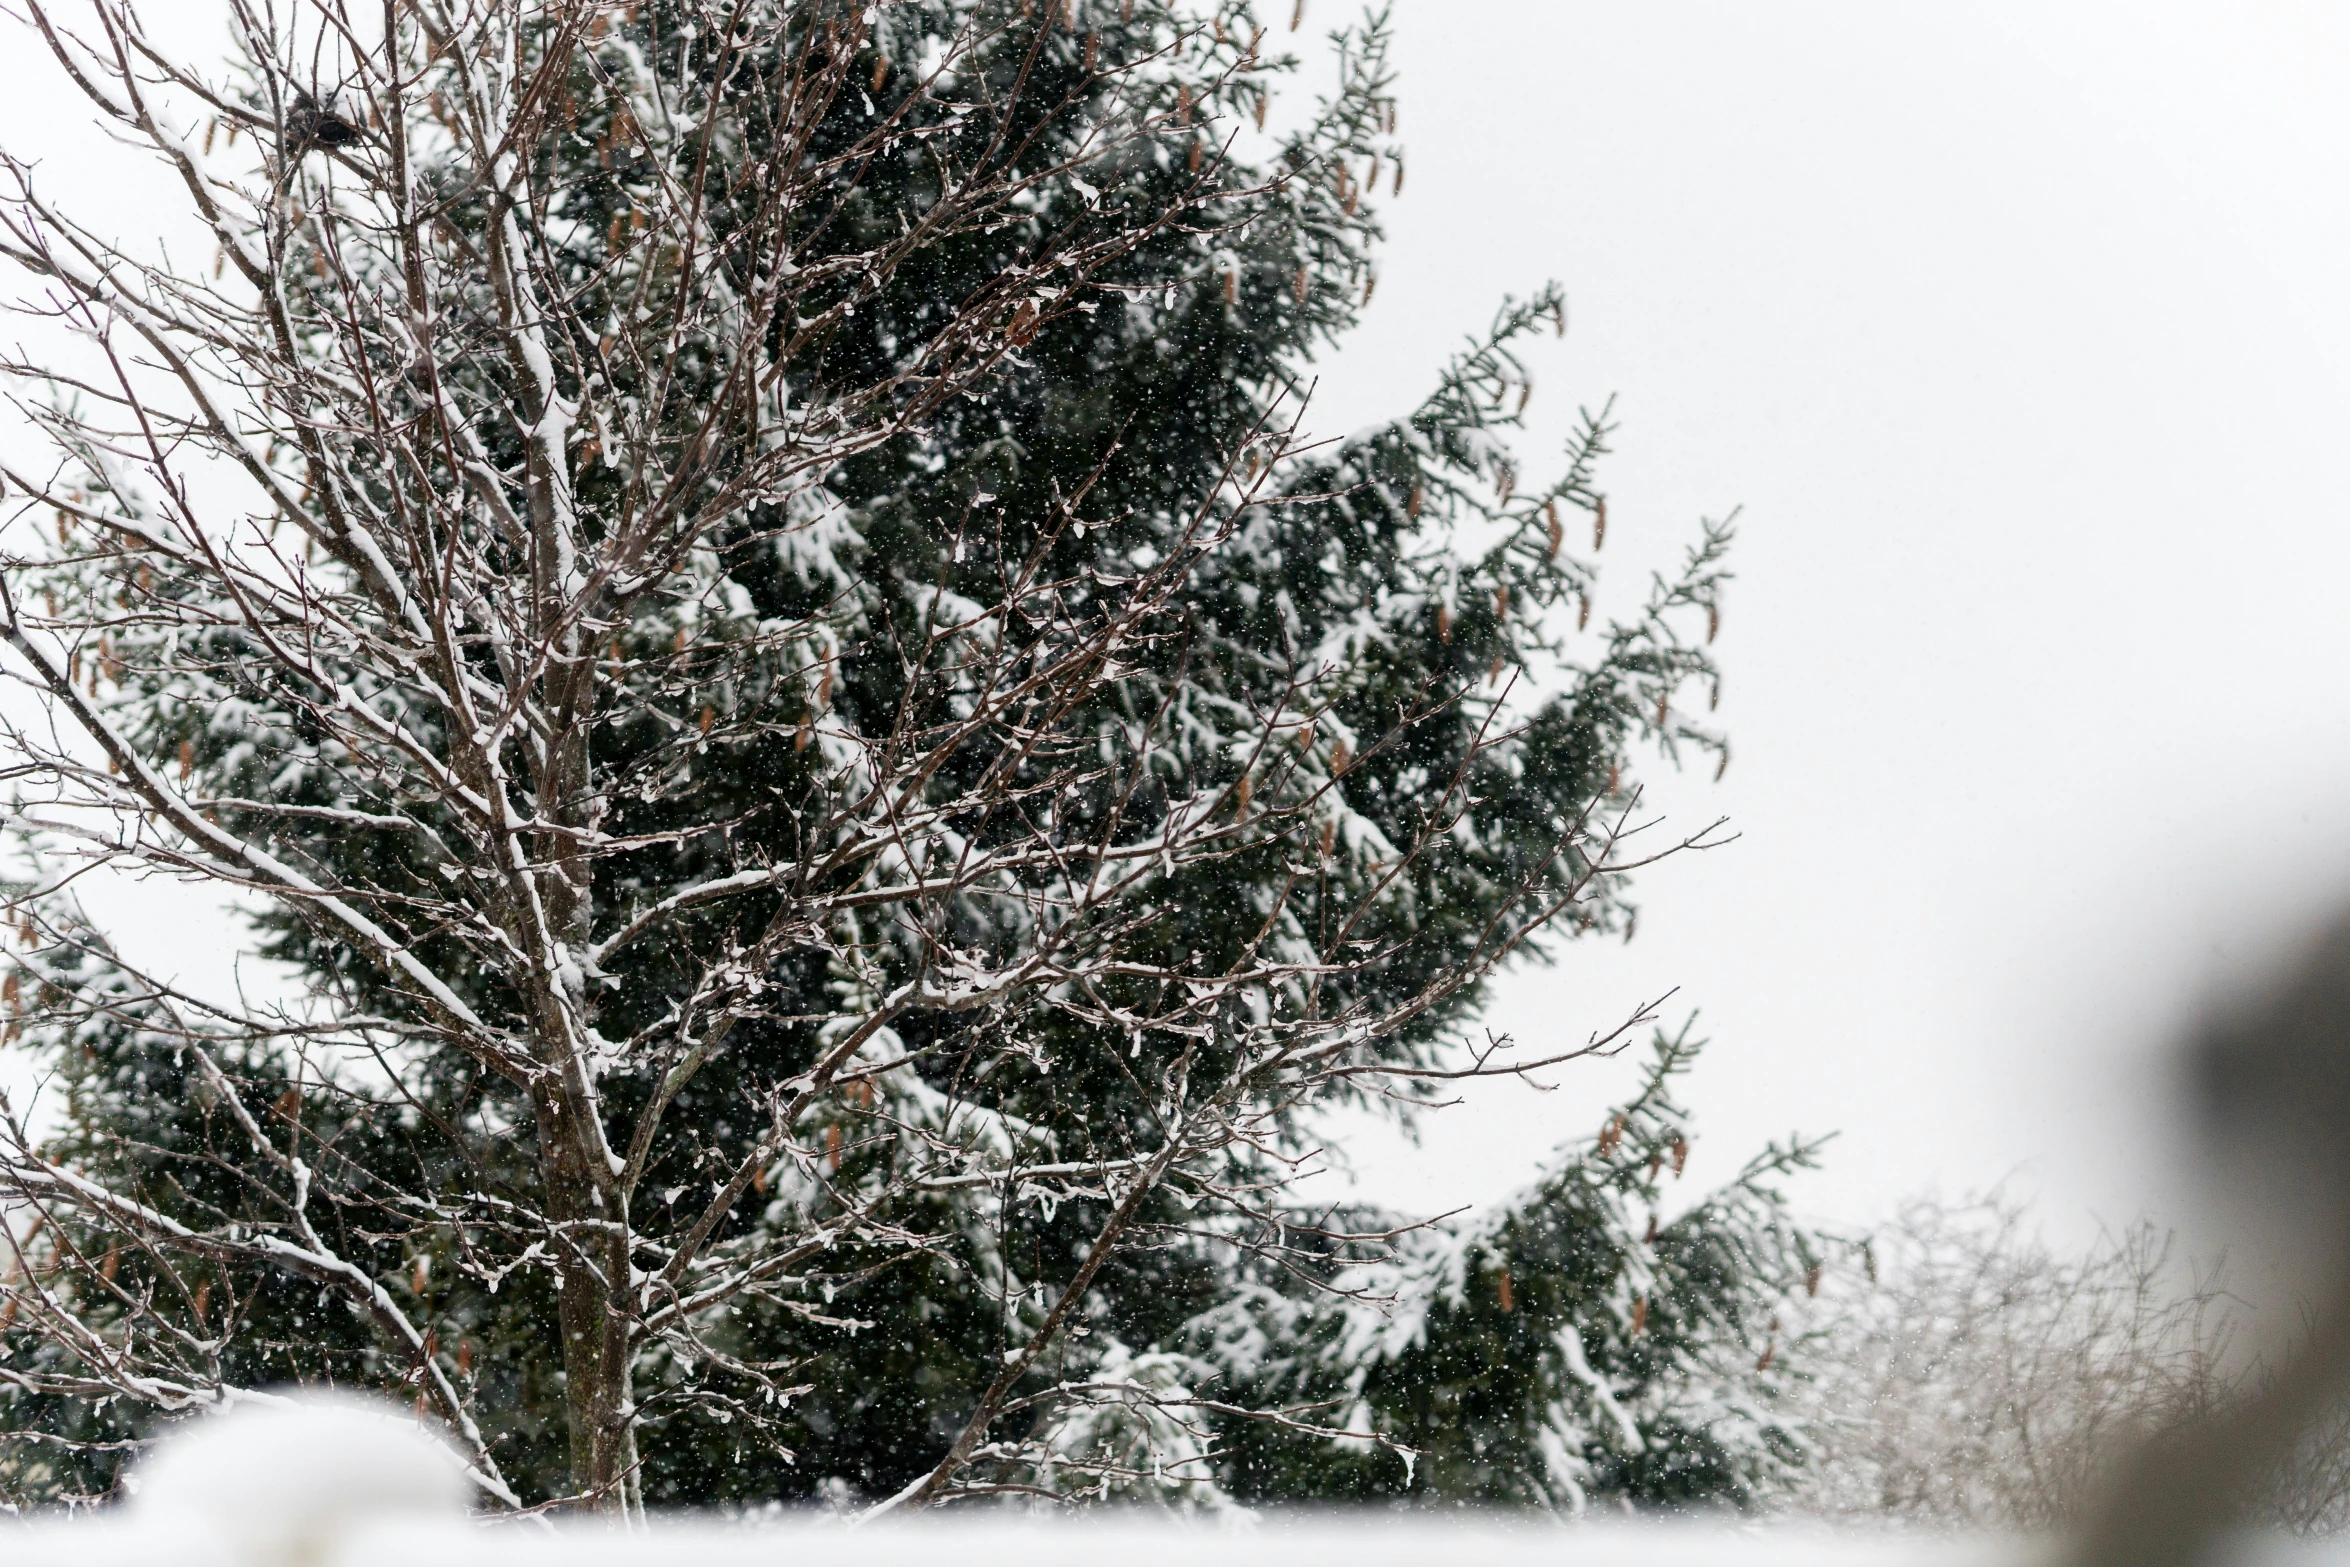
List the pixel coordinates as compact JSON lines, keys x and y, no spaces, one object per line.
{"x":1419,"y":493}
{"x":187,"y":759}
{"x":1550,"y":510}
{"x":1340,"y":758}
{"x":709,"y":717}
{"x":1769,"y":1354}
{"x":1297,"y":18}
{"x":1443,"y":622}
{"x":1231,"y":286}
{"x":465,"y":1357}
{"x":832,"y":1147}
{"x":1501,"y":602}
{"x":1093,"y":55}
{"x":1680,"y":1154}
{"x":1183,"y":105}
{"x":1264,"y":102}
{"x":203,"y":1298}
{"x":1713,"y":621}
{"x":1240,"y":794}
{"x":1369,"y":284}
{"x":1299,"y":285}
{"x":1811,"y":1280}
{"x":880,"y":71}
{"x":1723,"y":765}
{"x":1501,"y":1290}
{"x":1640,"y":1316}
{"x":112,"y":1265}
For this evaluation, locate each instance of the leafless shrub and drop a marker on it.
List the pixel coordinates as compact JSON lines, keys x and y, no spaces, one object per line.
{"x":1985,"y":1376}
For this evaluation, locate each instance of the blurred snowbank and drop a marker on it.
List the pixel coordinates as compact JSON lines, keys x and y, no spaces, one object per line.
{"x":1264,"y":1542}
{"x":345,"y":1483}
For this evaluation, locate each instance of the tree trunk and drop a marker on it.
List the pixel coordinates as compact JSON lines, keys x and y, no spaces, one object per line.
{"x":592,"y":1281}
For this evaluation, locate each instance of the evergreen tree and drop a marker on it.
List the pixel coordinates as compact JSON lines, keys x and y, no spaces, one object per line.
{"x":915,"y":395}
{"x":1572,"y":1343}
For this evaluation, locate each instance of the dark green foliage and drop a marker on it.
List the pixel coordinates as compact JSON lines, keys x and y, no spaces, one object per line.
{"x":1584,"y":1340}
{"x":1403,"y":597}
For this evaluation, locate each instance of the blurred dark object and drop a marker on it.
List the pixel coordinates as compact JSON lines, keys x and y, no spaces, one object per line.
{"x":310,"y":123}
{"x":2271,"y":1081}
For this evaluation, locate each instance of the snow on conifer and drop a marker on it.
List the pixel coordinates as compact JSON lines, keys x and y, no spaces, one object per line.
{"x":743,"y":590}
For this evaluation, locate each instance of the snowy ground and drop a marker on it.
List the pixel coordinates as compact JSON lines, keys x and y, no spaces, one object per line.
{"x":350,"y":1484}
{"x":1289,"y":1543}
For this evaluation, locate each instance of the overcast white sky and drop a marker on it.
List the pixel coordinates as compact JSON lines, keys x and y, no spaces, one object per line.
{"x":2018,"y":332}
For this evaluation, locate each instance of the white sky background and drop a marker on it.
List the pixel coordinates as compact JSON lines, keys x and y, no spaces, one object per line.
{"x":2017,"y":331}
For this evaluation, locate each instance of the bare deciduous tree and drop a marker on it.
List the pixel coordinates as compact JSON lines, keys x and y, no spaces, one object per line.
{"x":360,"y":559}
